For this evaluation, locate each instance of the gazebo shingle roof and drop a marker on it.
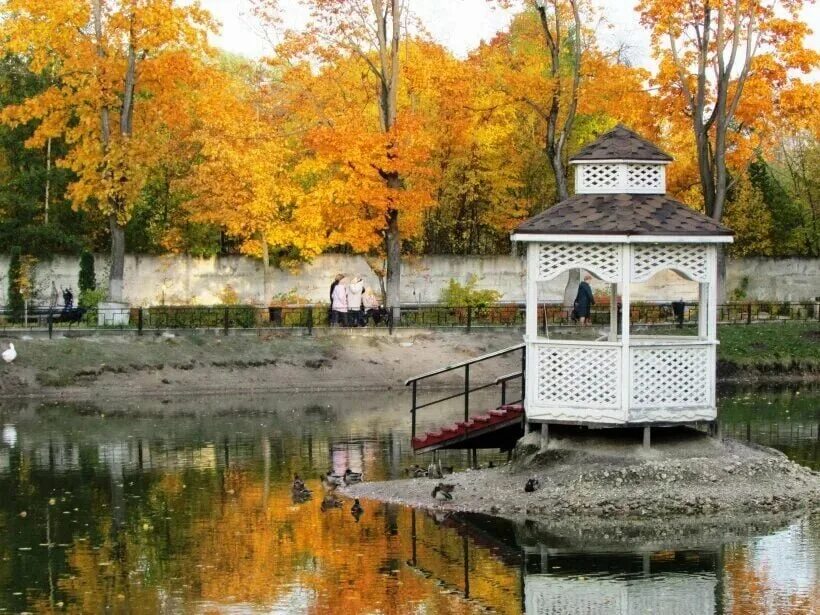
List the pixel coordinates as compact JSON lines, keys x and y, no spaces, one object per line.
{"x":621,"y":214}
{"x":620,"y":143}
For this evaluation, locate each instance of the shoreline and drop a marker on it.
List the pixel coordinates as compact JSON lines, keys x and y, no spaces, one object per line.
{"x":171,"y":366}
{"x":598,"y":485}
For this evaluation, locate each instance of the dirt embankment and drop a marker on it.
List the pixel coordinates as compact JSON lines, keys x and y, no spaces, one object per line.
{"x":112,"y":366}
{"x":205,"y":363}
{"x":608,"y":483}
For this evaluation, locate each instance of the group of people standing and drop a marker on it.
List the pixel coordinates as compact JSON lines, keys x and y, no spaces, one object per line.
{"x":351,"y":304}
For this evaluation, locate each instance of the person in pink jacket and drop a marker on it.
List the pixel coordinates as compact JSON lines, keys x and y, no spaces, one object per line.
{"x":338,"y":305}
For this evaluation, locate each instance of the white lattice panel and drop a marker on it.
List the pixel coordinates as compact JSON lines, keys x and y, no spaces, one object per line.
{"x":645,"y":177}
{"x":578,"y":376}
{"x":688,"y":259}
{"x":622,"y":176}
{"x":670,"y":377}
{"x":604,"y":260}
{"x":600,"y":177}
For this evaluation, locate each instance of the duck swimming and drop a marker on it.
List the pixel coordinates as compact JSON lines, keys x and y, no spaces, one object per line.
{"x":532,"y":485}
{"x":330,"y":501}
{"x":356,"y":510}
{"x":298,"y":491}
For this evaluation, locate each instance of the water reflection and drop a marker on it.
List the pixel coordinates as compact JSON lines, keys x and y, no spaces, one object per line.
{"x":181,"y":508}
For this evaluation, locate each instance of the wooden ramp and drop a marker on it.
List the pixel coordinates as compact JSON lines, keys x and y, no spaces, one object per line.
{"x":500,"y":428}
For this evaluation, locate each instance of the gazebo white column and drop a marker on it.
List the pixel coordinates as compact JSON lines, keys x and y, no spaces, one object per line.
{"x":626,"y":277}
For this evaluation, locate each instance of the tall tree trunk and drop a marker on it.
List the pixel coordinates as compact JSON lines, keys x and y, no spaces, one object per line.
{"x":266,"y":297}
{"x":48,"y":177}
{"x":115,"y":279}
{"x":393,"y":248}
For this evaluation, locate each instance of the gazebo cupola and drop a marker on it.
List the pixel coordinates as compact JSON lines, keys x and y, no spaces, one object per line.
{"x":622,"y":228}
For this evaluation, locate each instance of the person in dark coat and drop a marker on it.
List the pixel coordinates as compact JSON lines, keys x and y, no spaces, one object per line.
{"x":584,"y":301}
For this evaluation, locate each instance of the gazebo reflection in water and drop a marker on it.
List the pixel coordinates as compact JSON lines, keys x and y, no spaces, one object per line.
{"x":565,"y":576}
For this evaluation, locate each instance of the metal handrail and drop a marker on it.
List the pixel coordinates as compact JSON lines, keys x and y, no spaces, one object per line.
{"x":450,"y":368}
{"x":465,"y":365}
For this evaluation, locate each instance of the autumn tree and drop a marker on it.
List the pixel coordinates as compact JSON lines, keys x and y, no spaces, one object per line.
{"x":727,"y":63}
{"x":357,"y":124}
{"x":251,"y":176}
{"x":119,"y":71}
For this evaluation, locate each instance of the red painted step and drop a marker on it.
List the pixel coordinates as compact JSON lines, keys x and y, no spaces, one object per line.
{"x":460,"y":429}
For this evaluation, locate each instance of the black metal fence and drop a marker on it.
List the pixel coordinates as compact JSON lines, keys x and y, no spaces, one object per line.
{"x":426,"y":316}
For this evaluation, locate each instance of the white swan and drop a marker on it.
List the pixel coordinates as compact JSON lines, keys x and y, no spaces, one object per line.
{"x":9,"y":354}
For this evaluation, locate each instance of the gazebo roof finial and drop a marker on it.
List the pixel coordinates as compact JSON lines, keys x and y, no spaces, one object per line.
{"x":621,"y":143}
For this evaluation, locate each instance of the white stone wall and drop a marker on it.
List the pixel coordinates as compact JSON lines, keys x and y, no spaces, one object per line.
{"x":151,"y":280}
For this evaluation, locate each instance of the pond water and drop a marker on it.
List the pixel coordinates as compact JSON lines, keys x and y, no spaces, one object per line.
{"x":184,"y":506}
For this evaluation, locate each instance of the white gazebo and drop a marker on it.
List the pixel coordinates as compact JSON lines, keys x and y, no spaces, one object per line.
{"x":621,"y":228}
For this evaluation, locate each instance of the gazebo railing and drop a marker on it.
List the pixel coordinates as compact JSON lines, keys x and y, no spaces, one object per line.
{"x":574,"y":380}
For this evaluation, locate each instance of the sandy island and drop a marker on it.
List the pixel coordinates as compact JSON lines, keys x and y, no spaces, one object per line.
{"x":607,"y":484}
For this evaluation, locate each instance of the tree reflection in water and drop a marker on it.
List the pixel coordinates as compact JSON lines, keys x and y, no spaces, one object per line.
{"x":190,"y":514}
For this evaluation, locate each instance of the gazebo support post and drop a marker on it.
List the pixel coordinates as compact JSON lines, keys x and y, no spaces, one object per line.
{"x":626,"y":268}
{"x":647,"y":437}
{"x":703,"y":310}
{"x":613,"y":312}
{"x":545,"y":436}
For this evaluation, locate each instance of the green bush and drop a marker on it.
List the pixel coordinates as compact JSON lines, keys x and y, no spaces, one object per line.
{"x":88,"y":279}
{"x":467,"y":295}
{"x":16,"y":303}
{"x":185,"y":317}
{"x":89,"y":298}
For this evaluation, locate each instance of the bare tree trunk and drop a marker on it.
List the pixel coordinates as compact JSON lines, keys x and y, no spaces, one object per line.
{"x":558,"y":133}
{"x":393,"y":248}
{"x":266,"y":297}
{"x":115,"y":279}
{"x":388,"y":74}
{"x":48,"y":177}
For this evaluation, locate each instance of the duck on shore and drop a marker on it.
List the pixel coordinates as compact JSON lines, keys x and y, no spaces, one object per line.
{"x":331,"y":481}
{"x":350,"y":477}
{"x":9,"y":354}
{"x":443,"y":491}
{"x":415,"y":471}
{"x":533,"y":484}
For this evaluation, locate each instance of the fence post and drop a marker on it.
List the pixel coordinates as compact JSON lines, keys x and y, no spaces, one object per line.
{"x":466,"y":394}
{"x":226,"y":321}
{"x":523,"y":374}
{"x":50,"y":322}
{"x":139,"y":320}
{"x":748,"y":313}
{"x":413,"y":422}
{"x":310,"y":320}
{"x":469,"y":318}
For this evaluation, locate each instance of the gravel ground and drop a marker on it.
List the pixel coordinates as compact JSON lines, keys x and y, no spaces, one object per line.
{"x":606,"y":483}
